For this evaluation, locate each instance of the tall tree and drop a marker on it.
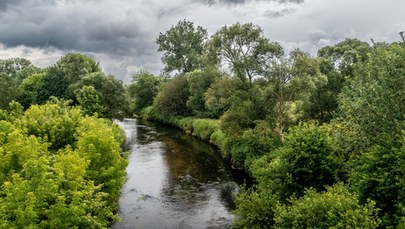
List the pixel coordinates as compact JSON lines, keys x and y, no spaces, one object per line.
{"x":182,"y":46}
{"x":244,"y":49}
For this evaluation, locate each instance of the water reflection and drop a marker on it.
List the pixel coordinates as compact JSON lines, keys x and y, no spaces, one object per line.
{"x":174,"y":181}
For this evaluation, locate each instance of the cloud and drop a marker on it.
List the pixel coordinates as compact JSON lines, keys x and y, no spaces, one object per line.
{"x":237,"y":2}
{"x":279,"y":13}
{"x":4,"y":4}
{"x":121,"y":34}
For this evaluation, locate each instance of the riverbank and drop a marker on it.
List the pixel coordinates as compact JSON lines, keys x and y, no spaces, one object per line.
{"x":208,"y":130}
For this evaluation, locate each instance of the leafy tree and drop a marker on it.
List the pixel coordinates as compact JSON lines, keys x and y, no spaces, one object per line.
{"x":292,"y":81}
{"x":307,"y":159}
{"x":345,"y":55}
{"x":182,"y":46}
{"x":144,"y":89}
{"x":244,"y":49}
{"x":172,"y":99}
{"x":51,"y":122}
{"x":112,"y":93}
{"x":97,"y":143}
{"x":334,"y":208}
{"x":89,"y":100}
{"x":220,"y":96}
{"x":255,"y":209}
{"x":31,"y":89}
{"x":378,"y":174}
{"x":17,"y":68}
{"x":75,"y":65}
{"x":199,"y":82}
{"x":373,"y":102}
{"x":8,"y":90}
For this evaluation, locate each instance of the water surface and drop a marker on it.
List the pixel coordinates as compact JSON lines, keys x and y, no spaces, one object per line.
{"x":174,"y":181}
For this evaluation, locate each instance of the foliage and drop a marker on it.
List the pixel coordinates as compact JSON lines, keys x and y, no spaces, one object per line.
{"x":199,"y":82}
{"x":374,"y":101}
{"x":334,"y":208}
{"x":244,"y":48}
{"x":50,"y":169}
{"x":307,"y":159}
{"x":182,"y":46}
{"x":255,"y":209}
{"x":143,"y":89}
{"x":220,"y":96}
{"x":112,"y":93}
{"x":75,"y":66}
{"x":378,"y":174}
{"x":7,"y":90}
{"x":89,"y":100}
{"x":172,"y":99}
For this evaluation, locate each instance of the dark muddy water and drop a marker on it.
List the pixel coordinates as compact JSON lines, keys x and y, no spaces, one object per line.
{"x":174,"y":181}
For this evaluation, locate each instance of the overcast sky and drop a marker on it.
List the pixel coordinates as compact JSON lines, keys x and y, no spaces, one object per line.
{"x":120,"y":34}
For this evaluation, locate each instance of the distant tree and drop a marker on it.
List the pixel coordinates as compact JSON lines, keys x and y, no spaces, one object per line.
{"x":244,"y":49}
{"x":8,"y":90}
{"x":336,"y":63}
{"x":75,"y":65}
{"x":12,"y":66}
{"x":182,"y":46}
{"x":143,"y":89}
{"x":172,"y":99}
{"x":291,"y":82}
{"x":199,"y":81}
{"x":113,"y":95}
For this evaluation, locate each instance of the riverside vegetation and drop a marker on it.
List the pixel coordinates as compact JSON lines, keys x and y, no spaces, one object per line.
{"x":323,"y":137}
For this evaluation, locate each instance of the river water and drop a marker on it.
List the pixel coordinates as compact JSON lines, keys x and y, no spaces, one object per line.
{"x":174,"y":181}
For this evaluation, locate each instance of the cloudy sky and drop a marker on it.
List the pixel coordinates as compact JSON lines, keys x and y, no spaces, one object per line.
{"x":120,"y":34}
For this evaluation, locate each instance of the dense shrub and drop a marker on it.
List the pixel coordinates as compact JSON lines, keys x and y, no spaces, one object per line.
{"x":59,"y":169}
{"x":334,"y":208}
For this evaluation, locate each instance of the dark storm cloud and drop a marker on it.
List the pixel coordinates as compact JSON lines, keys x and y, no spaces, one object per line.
{"x":4,"y":4}
{"x":72,"y":29}
{"x":236,"y":2}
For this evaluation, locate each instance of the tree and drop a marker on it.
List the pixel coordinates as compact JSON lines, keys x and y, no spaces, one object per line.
{"x":182,"y":46}
{"x":291,"y":82}
{"x":373,"y":102}
{"x":307,"y":160}
{"x":199,"y":81}
{"x":75,"y":65}
{"x":112,"y":93}
{"x":243,"y":49}
{"x":334,"y":208}
{"x":89,"y":100}
{"x":337,"y":63}
{"x":143,"y":89}
{"x":172,"y":99}
{"x":8,"y":90}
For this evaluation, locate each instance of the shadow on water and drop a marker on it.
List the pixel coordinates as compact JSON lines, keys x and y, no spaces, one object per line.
{"x":174,"y":181}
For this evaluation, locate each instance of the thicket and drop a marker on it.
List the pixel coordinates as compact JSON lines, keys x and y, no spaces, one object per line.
{"x":58,"y":168}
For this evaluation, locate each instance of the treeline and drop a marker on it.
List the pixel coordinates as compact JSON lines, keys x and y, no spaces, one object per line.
{"x":61,"y":159}
{"x":322,"y":136}
{"x":75,"y":77}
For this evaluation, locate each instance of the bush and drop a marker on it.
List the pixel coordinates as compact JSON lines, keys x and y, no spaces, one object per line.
{"x":59,"y":169}
{"x":334,"y":208}
{"x":172,"y":100}
{"x":307,"y":159}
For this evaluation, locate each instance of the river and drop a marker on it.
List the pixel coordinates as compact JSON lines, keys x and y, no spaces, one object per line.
{"x":174,"y":181}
